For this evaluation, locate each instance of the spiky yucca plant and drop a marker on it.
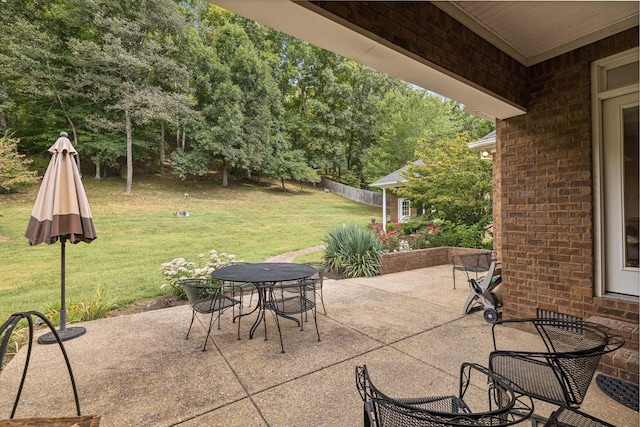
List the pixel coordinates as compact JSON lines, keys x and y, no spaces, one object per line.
{"x":353,"y":250}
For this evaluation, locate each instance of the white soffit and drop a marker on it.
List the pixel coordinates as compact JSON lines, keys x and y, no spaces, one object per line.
{"x":307,"y":25}
{"x":534,"y":31}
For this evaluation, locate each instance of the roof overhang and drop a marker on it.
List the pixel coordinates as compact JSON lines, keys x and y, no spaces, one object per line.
{"x":528,"y":31}
{"x":487,"y":143}
{"x":300,"y":21}
{"x":389,"y":184}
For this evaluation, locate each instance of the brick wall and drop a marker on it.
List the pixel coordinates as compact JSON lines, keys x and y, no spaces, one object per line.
{"x":421,"y":258}
{"x":547,"y":207}
{"x":393,"y":206}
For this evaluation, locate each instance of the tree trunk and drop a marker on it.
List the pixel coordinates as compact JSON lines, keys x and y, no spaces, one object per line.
{"x":162,"y":147}
{"x":66,"y":115}
{"x":225,"y":174}
{"x":184,"y":139}
{"x":3,"y":122}
{"x":127,"y":116}
{"x":98,"y":172}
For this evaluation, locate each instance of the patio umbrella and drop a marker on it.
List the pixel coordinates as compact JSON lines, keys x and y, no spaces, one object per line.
{"x":61,"y":212}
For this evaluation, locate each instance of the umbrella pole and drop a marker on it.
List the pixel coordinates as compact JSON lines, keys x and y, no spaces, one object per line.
{"x":64,"y":333}
{"x":63,"y":301}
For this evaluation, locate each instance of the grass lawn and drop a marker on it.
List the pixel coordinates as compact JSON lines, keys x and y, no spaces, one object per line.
{"x":138,"y":232}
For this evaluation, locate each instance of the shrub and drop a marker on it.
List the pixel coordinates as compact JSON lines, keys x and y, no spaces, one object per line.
{"x":14,"y":172}
{"x":84,"y":310}
{"x":180,"y":268}
{"x":432,"y":234}
{"x":353,"y":250}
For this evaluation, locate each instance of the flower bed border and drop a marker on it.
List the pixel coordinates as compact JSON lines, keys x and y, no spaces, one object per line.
{"x":420,"y":258}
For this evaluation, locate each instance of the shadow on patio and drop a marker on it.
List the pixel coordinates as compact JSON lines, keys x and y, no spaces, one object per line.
{"x":138,"y":370}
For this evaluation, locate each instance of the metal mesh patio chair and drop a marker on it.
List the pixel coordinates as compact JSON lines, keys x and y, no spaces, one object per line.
{"x":471,"y":263}
{"x":566,"y":417}
{"x":240,"y":290}
{"x":207,"y":297}
{"x":558,"y":365}
{"x":321,"y":269}
{"x":6,"y":330}
{"x":287,"y":299}
{"x":501,"y":406}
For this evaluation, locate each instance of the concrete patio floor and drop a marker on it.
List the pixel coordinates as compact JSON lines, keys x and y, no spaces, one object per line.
{"x":138,"y":370}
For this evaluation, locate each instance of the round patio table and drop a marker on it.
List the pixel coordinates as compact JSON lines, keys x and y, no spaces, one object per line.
{"x":263,"y":275}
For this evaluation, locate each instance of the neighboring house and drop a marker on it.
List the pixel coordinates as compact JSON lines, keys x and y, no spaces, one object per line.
{"x":561,"y":81}
{"x":485,"y":145}
{"x":400,"y":209}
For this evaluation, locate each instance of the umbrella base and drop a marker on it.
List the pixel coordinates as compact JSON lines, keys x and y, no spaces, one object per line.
{"x":67,"y":334}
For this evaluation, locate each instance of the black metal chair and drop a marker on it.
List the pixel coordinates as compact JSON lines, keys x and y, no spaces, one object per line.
{"x":567,"y":417}
{"x":207,"y":297}
{"x":321,"y":269}
{"x":6,"y":331}
{"x":240,"y":290}
{"x":502,"y":407}
{"x":558,"y":364}
{"x":287,"y":299}
{"x":471,"y":263}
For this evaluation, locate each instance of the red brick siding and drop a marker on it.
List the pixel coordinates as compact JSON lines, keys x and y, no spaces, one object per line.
{"x":421,"y":258}
{"x":547,"y":206}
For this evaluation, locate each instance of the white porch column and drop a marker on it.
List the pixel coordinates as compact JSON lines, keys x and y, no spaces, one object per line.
{"x":384,"y":209}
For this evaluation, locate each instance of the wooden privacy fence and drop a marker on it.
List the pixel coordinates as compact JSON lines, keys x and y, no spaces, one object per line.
{"x":366,"y":197}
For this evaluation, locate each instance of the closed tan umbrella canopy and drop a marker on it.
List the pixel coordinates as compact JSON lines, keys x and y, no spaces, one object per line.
{"x":61,"y":208}
{"x":61,"y":212}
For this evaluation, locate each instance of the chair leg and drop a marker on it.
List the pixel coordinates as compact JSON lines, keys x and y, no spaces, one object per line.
{"x":193,"y":316}
{"x":279,"y":333}
{"x":315,"y":320}
{"x":322,"y":301}
{"x":239,"y":315}
{"x":206,"y":340}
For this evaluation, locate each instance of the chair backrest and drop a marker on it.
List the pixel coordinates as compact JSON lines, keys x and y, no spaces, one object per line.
{"x":503,"y":406}
{"x":476,"y":262}
{"x":562,"y":374}
{"x":207,"y":295}
{"x":565,"y":417}
{"x":294,"y":297}
{"x":7,"y":329}
{"x":320,"y":267}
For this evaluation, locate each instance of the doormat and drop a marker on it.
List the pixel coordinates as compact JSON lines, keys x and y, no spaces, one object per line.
{"x":620,"y":391}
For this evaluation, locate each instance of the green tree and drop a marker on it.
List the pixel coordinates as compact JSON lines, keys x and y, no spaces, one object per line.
{"x":125,"y":63}
{"x":407,"y":117}
{"x":14,"y":172}
{"x":35,"y":96}
{"x":238,"y":99}
{"x":291,"y":165}
{"x":453,"y":181}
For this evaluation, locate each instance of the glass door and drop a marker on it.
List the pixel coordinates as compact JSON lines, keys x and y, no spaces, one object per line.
{"x":621,"y":194}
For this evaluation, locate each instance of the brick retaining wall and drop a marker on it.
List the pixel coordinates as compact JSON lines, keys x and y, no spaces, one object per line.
{"x":421,"y":258}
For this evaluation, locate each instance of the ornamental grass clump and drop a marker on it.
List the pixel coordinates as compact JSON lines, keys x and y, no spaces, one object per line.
{"x":180,"y":268}
{"x":353,"y":250}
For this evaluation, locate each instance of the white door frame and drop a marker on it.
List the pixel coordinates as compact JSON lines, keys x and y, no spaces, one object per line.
{"x":604,"y":88}
{"x":401,"y":217}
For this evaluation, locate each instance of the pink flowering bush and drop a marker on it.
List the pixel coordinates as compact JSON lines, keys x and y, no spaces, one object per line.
{"x":432,"y":234}
{"x":416,"y":234}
